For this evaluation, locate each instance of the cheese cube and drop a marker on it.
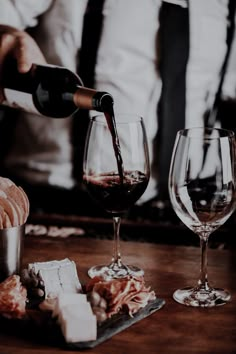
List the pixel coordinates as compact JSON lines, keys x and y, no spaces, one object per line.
{"x":66,"y":299}
{"x":78,"y":324}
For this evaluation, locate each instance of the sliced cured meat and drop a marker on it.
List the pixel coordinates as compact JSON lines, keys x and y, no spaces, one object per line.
{"x":13,"y":297}
{"x":126,"y":294}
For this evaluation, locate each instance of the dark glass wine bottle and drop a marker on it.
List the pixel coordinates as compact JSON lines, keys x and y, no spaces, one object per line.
{"x":49,"y":90}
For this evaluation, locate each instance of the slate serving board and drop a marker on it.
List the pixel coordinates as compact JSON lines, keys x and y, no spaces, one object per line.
{"x":39,"y":327}
{"x":117,"y":324}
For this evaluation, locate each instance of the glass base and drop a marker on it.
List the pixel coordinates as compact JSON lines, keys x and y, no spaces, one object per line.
{"x":201,"y":298}
{"x":114,"y":270}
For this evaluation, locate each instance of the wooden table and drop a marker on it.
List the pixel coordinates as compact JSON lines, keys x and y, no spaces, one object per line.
{"x":174,"y":328}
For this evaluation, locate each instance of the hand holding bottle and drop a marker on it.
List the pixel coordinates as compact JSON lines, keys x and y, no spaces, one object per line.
{"x":20,"y":46}
{"x":30,"y":84}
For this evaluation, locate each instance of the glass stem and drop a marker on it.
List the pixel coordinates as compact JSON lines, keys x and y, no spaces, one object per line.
{"x":203,"y":282}
{"x":116,"y":259}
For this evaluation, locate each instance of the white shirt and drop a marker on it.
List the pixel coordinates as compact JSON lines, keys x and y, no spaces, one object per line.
{"x":126,"y":67}
{"x":182,"y":3}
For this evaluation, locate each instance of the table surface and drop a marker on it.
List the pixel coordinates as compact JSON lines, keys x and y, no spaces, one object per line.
{"x":174,"y":328}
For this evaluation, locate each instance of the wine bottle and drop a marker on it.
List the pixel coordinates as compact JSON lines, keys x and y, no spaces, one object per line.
{"x":50,"y":90}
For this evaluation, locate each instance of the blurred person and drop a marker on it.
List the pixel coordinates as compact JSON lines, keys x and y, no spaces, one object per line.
{"x":143,"y":59}
{"x":44,"y":155}
{"x":226,"y":97}
{"x":40,"y":151}
{"x":168,"y":73}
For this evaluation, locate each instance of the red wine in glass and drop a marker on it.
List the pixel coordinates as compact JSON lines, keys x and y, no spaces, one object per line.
{"x":116,"y":173}
{"x":116,"y":197}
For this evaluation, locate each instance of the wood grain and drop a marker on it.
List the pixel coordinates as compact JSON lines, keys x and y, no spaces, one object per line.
{"x":173,"y":329}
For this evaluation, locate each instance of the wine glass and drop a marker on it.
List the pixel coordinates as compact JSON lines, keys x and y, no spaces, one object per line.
{"x":116,"y":173}
{"x":202,"y":192}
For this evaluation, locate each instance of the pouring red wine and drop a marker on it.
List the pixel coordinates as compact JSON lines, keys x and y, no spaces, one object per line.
{"x":116,"y":177}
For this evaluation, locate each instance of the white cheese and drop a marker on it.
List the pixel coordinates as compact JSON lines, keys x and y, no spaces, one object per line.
{"x":58,"y":276}
{"x":75,"y":317}
{"x":69,"y":299}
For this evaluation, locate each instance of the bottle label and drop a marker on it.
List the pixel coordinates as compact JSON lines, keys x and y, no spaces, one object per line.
{"x":20,"y":100}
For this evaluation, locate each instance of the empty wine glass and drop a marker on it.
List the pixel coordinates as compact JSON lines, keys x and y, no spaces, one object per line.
{"x":116,"y":173}
{"x":202,"y":192}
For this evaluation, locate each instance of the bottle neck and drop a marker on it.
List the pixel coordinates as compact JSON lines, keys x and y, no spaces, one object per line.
{"x":86,"y":98}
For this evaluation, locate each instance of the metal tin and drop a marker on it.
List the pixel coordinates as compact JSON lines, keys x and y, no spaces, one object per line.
{"x":11,"y":248}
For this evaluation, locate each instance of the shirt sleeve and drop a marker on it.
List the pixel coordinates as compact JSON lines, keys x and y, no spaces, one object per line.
{"x":208,"y":32}
{"x":22,"y":14}
{"x":229,"y":85}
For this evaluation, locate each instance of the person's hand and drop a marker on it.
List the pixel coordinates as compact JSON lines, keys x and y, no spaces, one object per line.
{"x":21,"y":46}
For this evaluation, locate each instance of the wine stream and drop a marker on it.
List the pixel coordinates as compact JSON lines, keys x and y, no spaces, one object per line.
{"x":110,"y":118}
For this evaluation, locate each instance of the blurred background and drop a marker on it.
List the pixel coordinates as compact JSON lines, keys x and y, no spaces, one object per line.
{"x":172,"y":62}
